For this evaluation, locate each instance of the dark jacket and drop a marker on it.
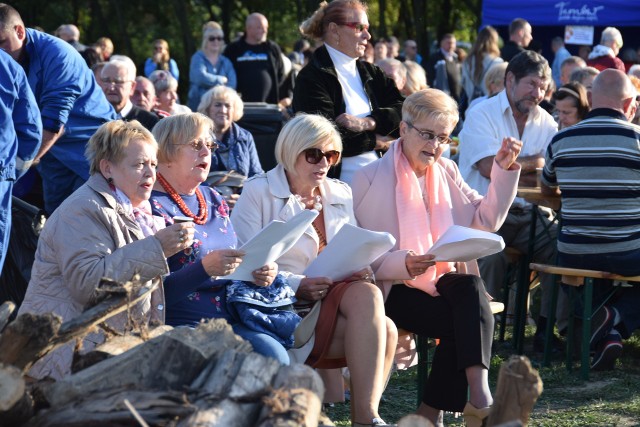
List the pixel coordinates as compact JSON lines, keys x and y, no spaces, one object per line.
{"x":454,"y":76}
{"x":318,"y":91}
{"x":510,"y":49}
{"x":146,"y":119}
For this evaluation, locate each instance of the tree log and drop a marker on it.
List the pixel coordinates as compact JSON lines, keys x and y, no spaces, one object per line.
{"x":107,"y":409}
{"x":31,"y":336}
{"x":16,"y":405}
{"x":231,"y":394}
{"x":6,"y":309}
{"x":170,"y":361}
{"x":296,"y":400}
{"x":24,"y":338}
{"x":114,"y":346}
{"x":519,"y":386}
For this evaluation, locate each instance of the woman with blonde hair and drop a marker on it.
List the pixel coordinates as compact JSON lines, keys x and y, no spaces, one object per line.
{"x":161,"y":60}
{"x":209,"y":67}
{"x":333,"y":84}
{"x":423,"y":195}
{"x":236,"y":146}
{"x":104,"y":229}
{"x":484,"y":53}
{"x":196,"y":287}
{"x":416,"y":78}
{"x":352,"y":329}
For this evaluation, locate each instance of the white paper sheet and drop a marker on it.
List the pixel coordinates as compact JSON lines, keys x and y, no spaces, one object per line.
{"x":462,"y":244}
{"x":270,"y":243}
{"x":350,"y":250}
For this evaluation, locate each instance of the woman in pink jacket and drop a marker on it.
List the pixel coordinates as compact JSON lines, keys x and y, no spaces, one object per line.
{"x":415,"y":194}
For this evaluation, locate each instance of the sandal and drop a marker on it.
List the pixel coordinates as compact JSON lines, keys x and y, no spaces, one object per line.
{"x":475,"y":417}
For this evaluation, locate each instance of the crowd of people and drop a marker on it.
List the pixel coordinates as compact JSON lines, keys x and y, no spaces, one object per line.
{"x":123,"y":161}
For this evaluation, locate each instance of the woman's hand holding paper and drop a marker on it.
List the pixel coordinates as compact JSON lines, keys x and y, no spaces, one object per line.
{"x":313,"y":288}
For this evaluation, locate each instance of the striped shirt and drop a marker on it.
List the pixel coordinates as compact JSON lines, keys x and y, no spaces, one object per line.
{"x":596,"y":164}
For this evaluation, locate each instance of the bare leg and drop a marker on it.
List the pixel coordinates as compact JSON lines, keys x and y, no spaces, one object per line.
{"x":479,"y":392}
{"x":362,"y":336}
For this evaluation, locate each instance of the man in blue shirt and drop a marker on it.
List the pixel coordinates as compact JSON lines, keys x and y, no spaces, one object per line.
{"x":72,"y":105}
{"x":20,"y":136}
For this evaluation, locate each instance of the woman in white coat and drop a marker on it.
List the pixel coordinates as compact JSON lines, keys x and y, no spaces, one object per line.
{"x":352,"y":329}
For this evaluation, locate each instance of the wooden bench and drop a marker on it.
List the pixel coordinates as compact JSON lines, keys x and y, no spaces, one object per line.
{"x":576,"y":277}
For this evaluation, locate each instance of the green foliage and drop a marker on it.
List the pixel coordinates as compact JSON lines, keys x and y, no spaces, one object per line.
{"x":134,"y":24}
{"x":607,"y":399}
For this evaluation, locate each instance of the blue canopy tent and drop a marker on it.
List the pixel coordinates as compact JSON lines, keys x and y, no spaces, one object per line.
{"x":549,"y":18}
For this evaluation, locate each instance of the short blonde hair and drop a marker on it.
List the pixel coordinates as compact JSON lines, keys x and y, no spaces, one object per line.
{"x":222,"y":93}
{"x":173,"y":131}
{"x":111,"y":139}
{"x":430,"y":104}
{"x":302,"y":132}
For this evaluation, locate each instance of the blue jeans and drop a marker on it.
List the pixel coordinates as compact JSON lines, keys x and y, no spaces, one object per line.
{"x":263,"y":344}
{"x":626,"y":300}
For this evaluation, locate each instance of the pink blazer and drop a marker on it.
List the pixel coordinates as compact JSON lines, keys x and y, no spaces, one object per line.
{"x":375,"y":209}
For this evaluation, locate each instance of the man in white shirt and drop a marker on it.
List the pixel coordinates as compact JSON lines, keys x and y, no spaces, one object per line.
{"x":513,"y":113}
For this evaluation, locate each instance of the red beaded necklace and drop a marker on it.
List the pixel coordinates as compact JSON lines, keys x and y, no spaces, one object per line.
{"x":199,"y":219}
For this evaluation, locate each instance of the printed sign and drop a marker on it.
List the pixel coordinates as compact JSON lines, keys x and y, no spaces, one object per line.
{"x":578,"y":34}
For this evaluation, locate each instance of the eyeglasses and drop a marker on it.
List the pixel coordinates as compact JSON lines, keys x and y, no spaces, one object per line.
{"x":427,"y":135}
{"x":214,"y":38}
{"x":159,"y":47}
{"x":356,"y":26}
{"x":117,"y":82}
{"x":315,"y":155}
{"x":199,"y":144}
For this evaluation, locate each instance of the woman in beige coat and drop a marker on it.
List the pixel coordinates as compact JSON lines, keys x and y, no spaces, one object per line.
{"x":104,"y":229}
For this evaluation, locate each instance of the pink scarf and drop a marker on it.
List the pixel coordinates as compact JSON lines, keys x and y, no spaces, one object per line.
{"x":422,"y":222}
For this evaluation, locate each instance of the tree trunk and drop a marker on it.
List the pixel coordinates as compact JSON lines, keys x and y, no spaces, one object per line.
{"x":519,"y":386}
{"x":382,"y":26}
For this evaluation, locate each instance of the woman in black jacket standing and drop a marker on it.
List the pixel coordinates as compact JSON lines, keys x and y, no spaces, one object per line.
{"x":356,"y":95}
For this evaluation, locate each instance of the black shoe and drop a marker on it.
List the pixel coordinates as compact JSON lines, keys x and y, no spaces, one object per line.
{"x":608,"y":350}
{"x":601,"y":325}
{"x":538,"y":343}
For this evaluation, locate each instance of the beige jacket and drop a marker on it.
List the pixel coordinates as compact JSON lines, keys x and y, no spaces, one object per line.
{"x":89,"y":237}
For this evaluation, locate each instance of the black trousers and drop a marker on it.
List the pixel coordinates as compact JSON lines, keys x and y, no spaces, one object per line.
{"x":461,"y":318}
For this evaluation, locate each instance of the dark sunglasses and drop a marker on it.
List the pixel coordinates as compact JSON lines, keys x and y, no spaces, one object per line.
{"x":315,"y":155}
{"x":214,"y":38}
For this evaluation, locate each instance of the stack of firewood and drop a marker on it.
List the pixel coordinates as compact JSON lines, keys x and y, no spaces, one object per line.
{"x":205,"y":376}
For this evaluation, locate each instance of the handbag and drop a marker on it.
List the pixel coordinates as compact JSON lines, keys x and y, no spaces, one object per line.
{"x":265,"y":309}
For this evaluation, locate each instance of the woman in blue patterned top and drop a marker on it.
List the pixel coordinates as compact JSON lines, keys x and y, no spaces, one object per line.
{"x":196,"y":289}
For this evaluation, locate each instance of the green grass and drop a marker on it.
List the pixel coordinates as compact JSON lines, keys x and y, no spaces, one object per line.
{"x":607,"y":399}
